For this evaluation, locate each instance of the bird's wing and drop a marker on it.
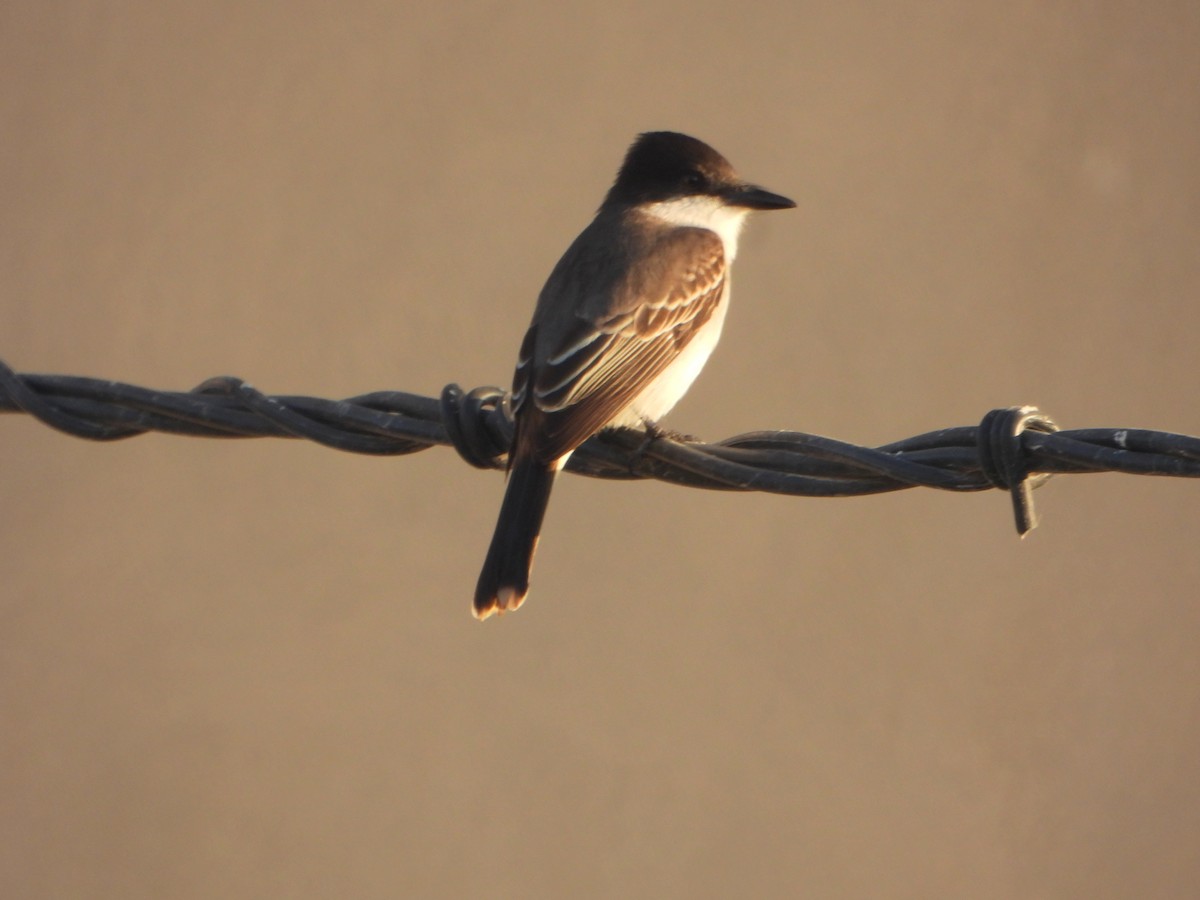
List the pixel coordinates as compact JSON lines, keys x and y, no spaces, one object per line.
{"x":613,"y":351}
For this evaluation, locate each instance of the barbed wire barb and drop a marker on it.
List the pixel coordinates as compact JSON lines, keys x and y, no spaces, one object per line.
{"x":1014,"y":449}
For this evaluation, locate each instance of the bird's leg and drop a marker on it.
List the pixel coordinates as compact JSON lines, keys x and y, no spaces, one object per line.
{"x":654,"y":432}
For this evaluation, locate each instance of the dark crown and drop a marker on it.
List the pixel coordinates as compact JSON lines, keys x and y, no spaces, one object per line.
{"x":665,"y":164}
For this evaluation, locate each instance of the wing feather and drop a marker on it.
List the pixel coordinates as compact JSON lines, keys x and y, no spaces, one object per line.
{"x":600,"y":364}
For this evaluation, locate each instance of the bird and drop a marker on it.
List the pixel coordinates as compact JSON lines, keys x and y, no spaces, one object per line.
{"x":622,"y":327}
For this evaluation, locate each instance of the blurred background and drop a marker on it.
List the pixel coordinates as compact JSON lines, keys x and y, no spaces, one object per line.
{"x":247,"y":669}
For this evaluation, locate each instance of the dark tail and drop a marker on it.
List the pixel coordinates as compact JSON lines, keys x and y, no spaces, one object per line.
{"x":504,"y":581}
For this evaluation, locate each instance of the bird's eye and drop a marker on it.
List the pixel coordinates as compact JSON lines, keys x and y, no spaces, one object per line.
{"x":694,"y":179}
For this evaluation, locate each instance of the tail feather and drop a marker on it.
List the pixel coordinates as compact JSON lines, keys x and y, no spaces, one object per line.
{"x":504,"y":581}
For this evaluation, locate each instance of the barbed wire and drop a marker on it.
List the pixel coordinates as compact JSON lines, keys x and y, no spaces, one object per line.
{"x":1013,"y":449}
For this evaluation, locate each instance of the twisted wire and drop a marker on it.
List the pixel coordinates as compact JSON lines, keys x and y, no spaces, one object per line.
{"x":1013,"y":449}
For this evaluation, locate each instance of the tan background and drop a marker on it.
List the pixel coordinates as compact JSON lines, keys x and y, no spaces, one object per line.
{"x":248,"y":669}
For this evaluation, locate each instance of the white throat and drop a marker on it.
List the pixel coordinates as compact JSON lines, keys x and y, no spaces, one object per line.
{"x":702,"y":211}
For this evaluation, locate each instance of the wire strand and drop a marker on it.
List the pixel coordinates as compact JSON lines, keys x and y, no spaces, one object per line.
{"x":1013,"y":449}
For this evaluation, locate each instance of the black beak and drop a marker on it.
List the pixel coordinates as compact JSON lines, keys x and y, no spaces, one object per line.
{"x":751,"y":196}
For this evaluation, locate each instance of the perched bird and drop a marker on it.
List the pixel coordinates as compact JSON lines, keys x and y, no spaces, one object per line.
{"x":622,"y":328}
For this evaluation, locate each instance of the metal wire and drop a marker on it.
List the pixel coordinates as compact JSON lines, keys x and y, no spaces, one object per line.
{"x":1012,"y":449}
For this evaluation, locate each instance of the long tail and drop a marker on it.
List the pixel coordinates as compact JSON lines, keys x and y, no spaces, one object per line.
{"x":504,"y":581}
